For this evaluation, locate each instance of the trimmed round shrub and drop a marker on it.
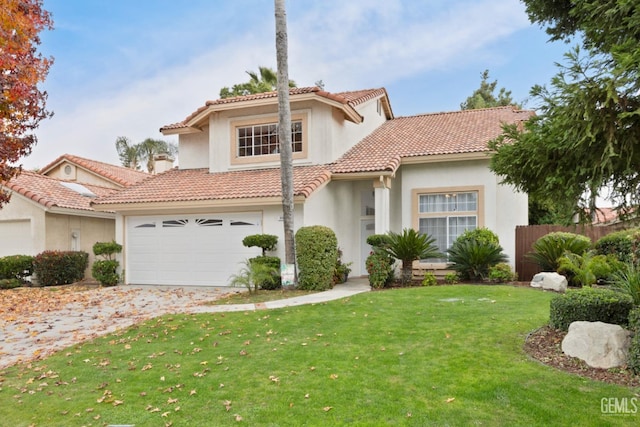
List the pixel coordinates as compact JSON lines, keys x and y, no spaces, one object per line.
{"x":482,"y":235}
{"x":379,"y":240}
{"x":380,"y":269}
{"x":273,"y":262}
{"x":266,"y":242}
{"x":105,"y":272}
{"x":591,"y":305}
{"x":624,"y":245}
{"x":548,"y":249}
{"x":9,"y":283}
{"x":107,"y":249}
{"x":316,"y":254}
{"x":53,"y":268}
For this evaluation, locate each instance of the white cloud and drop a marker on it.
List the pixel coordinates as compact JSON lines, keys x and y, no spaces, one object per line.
{"x":349,"y":45}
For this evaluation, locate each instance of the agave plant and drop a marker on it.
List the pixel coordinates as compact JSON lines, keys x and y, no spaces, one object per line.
{"x":472,"y":259}
{"x":408,"y":247}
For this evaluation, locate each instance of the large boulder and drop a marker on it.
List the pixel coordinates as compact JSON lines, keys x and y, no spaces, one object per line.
{"x":600,"y":345}
{"x":550,"y":281}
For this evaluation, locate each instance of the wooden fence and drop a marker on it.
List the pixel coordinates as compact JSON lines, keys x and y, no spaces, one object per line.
{"x":526,"y":235}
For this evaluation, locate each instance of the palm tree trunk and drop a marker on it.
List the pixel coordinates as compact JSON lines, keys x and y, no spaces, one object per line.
{"x":284,"y":133}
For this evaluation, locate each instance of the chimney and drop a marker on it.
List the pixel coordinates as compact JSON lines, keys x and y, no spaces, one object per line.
{"x":162,"y":163}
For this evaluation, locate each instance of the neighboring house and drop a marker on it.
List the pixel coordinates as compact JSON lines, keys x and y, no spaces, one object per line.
{"x":357,"y":170}
{"x":51,"y":209}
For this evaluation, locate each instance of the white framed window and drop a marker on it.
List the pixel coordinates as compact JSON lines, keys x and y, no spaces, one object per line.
{"x":256,"y":140}
{"x":445,"y":214}
{"x":262,"y":140}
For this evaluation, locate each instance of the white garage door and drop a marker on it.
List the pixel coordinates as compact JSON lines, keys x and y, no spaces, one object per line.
{"x":15,"y":238}
{"x":189,"y":249}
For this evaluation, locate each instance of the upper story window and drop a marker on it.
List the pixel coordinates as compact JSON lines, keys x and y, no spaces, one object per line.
{"x":262,"y":140}
{"x":256,"y":140}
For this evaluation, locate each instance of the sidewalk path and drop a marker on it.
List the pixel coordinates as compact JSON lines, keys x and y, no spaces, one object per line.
{"x":35,"y":322}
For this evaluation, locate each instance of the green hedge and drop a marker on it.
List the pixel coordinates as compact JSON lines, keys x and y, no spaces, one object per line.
{"x":17,"y":267}
{"x":624,"y":245}
{"x":59,"y":267}
{"x":634,"y":351}
{"x":316,"y":254}
{"x":591,"y":305}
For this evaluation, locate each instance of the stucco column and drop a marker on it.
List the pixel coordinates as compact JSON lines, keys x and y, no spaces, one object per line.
{"x":381,"y":187}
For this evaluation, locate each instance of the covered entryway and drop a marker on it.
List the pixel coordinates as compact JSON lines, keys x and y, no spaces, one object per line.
{"x":203,"y":249}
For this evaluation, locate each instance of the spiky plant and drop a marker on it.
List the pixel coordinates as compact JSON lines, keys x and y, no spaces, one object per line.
{"x":472,"y":259}
{"x":410,"y":246}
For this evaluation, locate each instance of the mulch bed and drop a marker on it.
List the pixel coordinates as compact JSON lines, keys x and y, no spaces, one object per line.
{"x":544,"y":345}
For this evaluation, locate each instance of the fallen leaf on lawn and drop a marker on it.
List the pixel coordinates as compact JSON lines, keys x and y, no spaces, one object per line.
{"x":192,"y":392}
{"x":327,"y":408}
{"x":165,"y":414}
{"x":274,"y":378}
{"x":333,"y":376}
{"x":147,"y":367}
{"x":451,"y":399}
{"x":227,"y":405}
{"x":170,"y":400}
{"x":238,"y":417}
{"x":155,"y":410}
{"x":448,"y":335}
{"x":97,"y":417}
{"x":243,"y":352}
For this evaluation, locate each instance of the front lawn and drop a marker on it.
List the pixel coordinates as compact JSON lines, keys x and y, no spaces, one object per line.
{"x":444,"y":355}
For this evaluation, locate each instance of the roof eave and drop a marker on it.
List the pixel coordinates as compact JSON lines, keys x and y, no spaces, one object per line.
{"x":449,"y":157}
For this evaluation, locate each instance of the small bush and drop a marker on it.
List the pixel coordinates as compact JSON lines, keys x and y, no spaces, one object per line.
{"x":251,"y":275}
{"x":17,"y":267}
{"x":266,"y":242}
{"x":272,"y":281}
{"x":316,"y":253}
{"x":624,"y":245}
{"x":429,"y":279}
{"x":380,"y":269}
{"x":341,"y":270}
{"x":472,"y":259}
{"x":502,"y":273}
{"x":379,"y":240}
{"x":9,"y":283}
{"x":633,"y":360}
{"x":589,"y":304}
{"x":107,"y":249}
{"x":105,"y":272}
{"x":53,"y":268}
{"x":548,"y":249}
{"x":451,"y":278}
{"x":482,"y":235}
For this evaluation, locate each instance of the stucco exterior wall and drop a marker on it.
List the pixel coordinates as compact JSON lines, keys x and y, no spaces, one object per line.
{"x":328,"y":135}
{"x":79,"y":175}
{"x":69,"y":232}
{"x":194,"y":150}
{"x":503,"y":209}
{"x":21,"y":210}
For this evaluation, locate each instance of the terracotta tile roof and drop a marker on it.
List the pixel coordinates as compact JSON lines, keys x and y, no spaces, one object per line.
{"x":198,"y":184}
{"x":50,"y":192}
{"x":351,"y":99}
{"x":455,"y":132}
{"x":117,"y":174}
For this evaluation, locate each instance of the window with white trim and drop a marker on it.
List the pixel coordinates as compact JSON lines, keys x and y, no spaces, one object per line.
{"x":262,"y":139}
{"x":445,"y":216}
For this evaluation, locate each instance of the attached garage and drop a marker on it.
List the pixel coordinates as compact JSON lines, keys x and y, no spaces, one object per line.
{"x":16,"y":238}
{"x":192,"y":250}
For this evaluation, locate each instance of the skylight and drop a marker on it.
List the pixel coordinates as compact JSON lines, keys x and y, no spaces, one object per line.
{"x":79,"y":188}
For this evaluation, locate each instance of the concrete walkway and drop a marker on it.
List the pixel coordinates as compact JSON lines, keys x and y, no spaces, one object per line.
{"x":34,"y":334}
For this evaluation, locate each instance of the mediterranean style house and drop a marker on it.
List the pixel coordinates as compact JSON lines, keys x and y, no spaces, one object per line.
{"x":51,"y":209}
{"x":357,"y":169}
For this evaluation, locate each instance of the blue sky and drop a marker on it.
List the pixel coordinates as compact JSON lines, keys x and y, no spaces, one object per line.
{"x":126,"y":68}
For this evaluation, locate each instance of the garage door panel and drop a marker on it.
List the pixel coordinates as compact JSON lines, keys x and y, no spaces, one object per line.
{"x":189,"y":249}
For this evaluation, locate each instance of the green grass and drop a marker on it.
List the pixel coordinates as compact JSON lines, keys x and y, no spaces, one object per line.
{"x":399,"y":357}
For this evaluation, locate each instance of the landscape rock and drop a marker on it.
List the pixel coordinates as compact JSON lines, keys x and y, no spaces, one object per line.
{"x":600,"y":345}
{"x":550,"y":281}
